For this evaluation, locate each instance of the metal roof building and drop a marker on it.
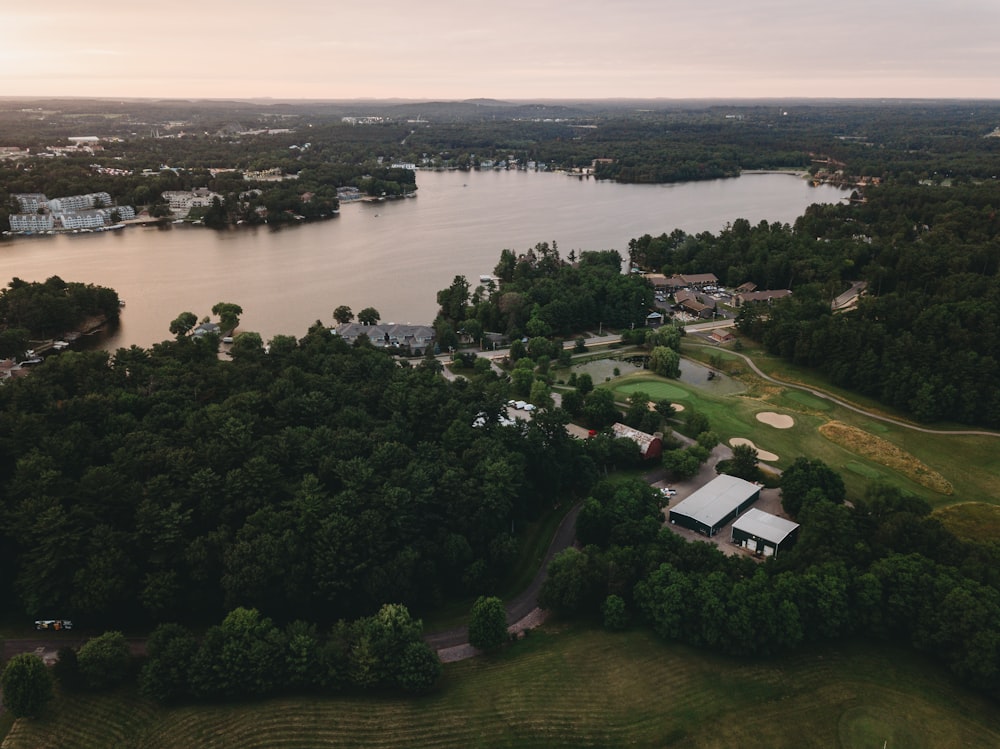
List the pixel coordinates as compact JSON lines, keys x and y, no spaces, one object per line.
{"x":715,"y":504}
{"x":763,"y":532}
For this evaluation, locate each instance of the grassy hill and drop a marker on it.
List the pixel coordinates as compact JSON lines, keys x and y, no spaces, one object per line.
{"x":577,"y":687}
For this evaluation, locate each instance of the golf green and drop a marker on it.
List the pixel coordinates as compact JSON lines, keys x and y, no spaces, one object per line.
{"x":655,"y":390}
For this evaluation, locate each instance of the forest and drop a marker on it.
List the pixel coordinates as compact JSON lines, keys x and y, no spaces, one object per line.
{"x":315,"y":480}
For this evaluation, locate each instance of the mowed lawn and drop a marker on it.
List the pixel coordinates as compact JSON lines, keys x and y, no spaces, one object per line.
{"x":578,"y":687}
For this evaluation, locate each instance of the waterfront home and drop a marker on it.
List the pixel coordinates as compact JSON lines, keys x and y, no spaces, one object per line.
{"x":417,"y":338}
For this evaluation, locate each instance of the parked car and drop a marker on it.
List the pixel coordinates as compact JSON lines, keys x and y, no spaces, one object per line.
{"x":54,"y":624}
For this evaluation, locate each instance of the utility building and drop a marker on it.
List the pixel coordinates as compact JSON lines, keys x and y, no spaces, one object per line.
{"x":764,"y":533}
{"x":715,"y":504}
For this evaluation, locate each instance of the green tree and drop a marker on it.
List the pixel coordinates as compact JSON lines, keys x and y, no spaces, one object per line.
{"x":600,"y":410}
{"x":665,"y":362}
{"x":26,"y":685}
{"x":369,"y":316}
{"x":804,"y":475}
{"x":166,"y":675}
{"x":615,"y":613}
{"x":104,"y":660}
{"x":419,"y":668}
{"x":744,"y":463}
{"x":488,"y":623}
{"x":229,"y":315}
{"x":182,"y":324}
{"x":343,"y":314}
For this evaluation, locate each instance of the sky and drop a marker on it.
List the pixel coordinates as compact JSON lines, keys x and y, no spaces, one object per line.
{"x":517,"y":49}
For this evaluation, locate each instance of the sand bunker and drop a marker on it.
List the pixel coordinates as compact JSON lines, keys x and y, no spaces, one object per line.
{"x":761,"y":454}
{"x":778,"y":421}
{"x":677,"y":407}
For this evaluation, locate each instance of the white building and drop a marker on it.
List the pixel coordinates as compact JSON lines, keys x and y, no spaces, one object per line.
{"x":80,"y":202}
{"x":30,"y":202}
{"x":31,"y":222}
{"x":182,"y":201}
{"x":92,"y":219}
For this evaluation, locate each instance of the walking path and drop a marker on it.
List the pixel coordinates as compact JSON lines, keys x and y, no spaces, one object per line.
{"x":850,"y":406}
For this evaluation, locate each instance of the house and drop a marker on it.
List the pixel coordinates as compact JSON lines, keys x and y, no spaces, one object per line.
{"x":764,"y":533}
{"x":658,"y":280}
{"x":695,"y":304}
{"x":746,"y":287}
{"x":715,"y":504}
{"x":650,"y":445}
{"x":721,"y":336}
{"x":760,"y":296}
{"x":700,"y":280}
{"x":690,"y":280}
{"x":417,"y":338}
{"x":205,"y":328}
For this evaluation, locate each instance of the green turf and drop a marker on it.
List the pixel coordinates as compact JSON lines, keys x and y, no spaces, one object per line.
{"x":576,"y":687}
{"x":806,"y":400}
{"x":864,"y":470}
{"x":655,"y":390}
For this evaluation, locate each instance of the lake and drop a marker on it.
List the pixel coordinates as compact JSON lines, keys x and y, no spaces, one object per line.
{"x":393,"y":255}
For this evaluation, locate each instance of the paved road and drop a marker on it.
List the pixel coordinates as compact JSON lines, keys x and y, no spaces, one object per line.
{"x":850,"y":406}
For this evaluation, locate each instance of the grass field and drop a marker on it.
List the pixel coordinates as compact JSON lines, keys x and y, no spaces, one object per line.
{"x":578,"y":687}
{"x":975,"y":521}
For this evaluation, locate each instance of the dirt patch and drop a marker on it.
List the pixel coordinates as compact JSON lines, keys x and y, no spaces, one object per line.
{"x":761,"y":454}
{"x":776,"y":420}
{"x":886,"y":453}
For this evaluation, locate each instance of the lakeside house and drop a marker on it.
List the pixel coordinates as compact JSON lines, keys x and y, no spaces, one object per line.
{"x":417,"y":338}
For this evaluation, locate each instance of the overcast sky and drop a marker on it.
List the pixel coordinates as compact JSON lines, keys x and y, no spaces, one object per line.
{"x":456,"y":49}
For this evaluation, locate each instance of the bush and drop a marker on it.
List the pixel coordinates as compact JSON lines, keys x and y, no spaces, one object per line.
{"x":26,"y":684}
{"x":488,"y":625}
{"x":104,"y":660}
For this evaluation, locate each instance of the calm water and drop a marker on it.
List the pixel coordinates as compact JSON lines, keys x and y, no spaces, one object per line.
{"x":393,"y":256}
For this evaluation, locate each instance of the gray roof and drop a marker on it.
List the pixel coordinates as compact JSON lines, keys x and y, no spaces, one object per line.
{"x":716,"y":499}
{"x":765,"y":525}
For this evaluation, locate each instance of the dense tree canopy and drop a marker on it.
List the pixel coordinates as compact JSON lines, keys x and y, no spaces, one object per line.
{"x":317,"y":481}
